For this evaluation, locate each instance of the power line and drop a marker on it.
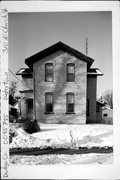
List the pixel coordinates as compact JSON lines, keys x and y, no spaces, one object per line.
{"x":17,"y":77}
{"x":14,"y":75}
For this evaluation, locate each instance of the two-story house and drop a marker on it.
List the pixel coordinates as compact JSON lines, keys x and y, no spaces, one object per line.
{"x":59,"y":86}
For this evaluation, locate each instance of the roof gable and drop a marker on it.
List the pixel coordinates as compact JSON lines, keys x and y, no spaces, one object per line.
{"x":56,"y":47}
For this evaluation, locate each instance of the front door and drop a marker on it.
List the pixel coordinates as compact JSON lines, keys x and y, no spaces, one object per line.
{"x":29,"y":112}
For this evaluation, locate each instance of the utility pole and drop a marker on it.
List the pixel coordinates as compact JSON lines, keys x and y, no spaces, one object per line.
{"x":86,"y":46}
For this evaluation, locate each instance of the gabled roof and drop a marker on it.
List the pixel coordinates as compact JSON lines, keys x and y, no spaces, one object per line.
{"x":95,"y":72}
{"x":56,"y":47}
{"x":100,"y":103}
{"x":27,"y":91}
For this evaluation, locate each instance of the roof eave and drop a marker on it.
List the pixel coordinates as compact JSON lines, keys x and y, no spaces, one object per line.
{"x":99,"y":103}
{"x":94,"y":74}
{"x":24,"y":73}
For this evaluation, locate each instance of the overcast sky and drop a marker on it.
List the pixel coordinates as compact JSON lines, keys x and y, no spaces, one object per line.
{"x":30,"y":33}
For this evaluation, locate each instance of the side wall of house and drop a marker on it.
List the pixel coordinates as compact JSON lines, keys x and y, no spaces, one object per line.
{"x":59,"y":88}
{"x":27,"y":86}
{"x":109,"y":118}
{"x":91,"y":96}
{"x":27,"y":83}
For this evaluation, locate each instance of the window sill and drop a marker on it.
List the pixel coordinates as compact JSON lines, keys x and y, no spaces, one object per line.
{"x":70,"y":81}
{"x":49,"y":113}
{"x":70,"y":113}
{"x":49,"y":81}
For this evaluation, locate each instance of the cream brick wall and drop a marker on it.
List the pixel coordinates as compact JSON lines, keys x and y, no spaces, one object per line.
{"x":27,"y":83}
{"x":60,"y":87}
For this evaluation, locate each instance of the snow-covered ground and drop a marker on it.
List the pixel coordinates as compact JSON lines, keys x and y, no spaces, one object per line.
{"x":65,"y":136}
{"x":91,"y":158}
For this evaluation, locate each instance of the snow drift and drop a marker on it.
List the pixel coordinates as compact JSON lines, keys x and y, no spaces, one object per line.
{"x":65,"y":136}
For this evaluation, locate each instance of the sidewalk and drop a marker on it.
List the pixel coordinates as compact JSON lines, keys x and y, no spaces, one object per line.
{"x":59,"y":151}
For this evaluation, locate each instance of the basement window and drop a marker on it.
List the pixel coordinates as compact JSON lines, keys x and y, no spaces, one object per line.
{"x":49,"y":102}
{"x":70,"y":102}
{"x":105,"y":115}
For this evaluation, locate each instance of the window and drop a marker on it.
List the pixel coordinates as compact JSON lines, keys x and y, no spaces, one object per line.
{"x":49,"y":72}
{"x":29,"y":105}
{"x":49,"y":102}
{"x":70,"y":102}
{"x":105,"y":115}
{"x":87,"y":107}
{"x":70,"y":72}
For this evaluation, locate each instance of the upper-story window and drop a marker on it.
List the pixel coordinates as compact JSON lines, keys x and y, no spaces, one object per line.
{"x":70,"y":72}
{"x":49,"y":72}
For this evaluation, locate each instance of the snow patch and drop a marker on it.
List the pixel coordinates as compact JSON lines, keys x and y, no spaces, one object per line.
{"x":91,"y":158}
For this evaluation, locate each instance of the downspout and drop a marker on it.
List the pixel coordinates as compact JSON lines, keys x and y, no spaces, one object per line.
{"x":34,"y":99}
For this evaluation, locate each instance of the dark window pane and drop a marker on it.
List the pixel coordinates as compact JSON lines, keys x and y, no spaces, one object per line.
{"x":70,"y":108}
{"x":70,"y":78}
{"x":49,"y":107}
{"x":30,"y":103}
{"x":106,"y":115}
{"x":49,"y":102}
{"x":70,"y":102}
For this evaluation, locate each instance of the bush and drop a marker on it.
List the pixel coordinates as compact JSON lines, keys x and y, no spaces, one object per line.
{"x":12,"y":119}
{"x":31,"y":126}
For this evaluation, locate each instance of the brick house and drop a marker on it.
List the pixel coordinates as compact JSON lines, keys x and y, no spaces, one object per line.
{"x":59,"y":86}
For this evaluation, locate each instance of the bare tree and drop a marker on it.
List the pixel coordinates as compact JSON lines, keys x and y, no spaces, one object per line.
{"x":12,"y":90}
{"x":108,"y":98}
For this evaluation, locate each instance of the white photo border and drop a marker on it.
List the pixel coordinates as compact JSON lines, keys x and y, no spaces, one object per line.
{"x":59,"y":172}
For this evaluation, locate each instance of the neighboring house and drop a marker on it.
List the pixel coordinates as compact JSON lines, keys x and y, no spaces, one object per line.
{"x":99,"y":106}
{"x":59,"y":86}
{"x":107,"y":115}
